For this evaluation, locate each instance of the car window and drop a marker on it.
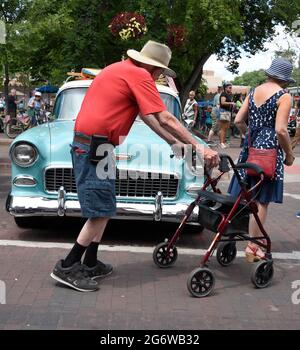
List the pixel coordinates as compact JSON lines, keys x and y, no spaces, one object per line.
{"x":172,"y":104}
{"x":68,"y":103}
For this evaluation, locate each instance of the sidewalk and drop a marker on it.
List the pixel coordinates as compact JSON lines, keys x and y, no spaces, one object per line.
{"x":5,"y":164}
{"x":4,"y":140}
{"x":138,"y":295}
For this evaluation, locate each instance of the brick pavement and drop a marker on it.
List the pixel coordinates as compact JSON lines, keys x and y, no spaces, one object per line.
{"x":138,"y":295}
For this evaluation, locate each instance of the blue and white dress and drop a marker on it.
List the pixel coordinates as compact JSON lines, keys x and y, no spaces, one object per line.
{"x":263,"y":135}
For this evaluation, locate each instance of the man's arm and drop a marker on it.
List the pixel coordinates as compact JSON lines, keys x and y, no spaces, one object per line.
{"x":153,"y":123}
{"x":224,"y":103}
{"x":170,"y":123}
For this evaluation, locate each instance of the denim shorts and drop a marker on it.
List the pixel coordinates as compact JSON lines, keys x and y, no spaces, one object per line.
{"x":96,"y":196}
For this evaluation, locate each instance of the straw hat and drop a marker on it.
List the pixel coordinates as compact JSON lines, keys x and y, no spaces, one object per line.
{"x":154,"y":54}
{"x":281,"y":69}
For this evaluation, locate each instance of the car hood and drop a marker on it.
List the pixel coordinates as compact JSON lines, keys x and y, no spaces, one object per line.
{"x":135,"y":151}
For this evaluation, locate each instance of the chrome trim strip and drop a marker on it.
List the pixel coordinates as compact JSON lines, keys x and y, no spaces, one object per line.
{"x":39,"y":206}
{"x":19,"y":177}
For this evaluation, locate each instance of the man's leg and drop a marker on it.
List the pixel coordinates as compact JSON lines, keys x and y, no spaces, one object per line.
{"x":92,"y":231}
{"x":97,"y":201}
{"x":91,"y":264}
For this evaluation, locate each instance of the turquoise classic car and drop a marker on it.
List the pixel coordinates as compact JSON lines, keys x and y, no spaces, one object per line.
{"x":43,"y":180}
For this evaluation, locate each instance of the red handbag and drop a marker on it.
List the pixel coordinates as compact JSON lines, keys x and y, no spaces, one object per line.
{"x":265,"y":158}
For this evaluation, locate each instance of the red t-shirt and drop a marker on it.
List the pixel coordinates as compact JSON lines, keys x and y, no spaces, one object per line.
{"x":116,"y":96}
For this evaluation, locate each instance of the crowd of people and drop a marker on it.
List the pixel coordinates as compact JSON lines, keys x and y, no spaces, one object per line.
{"x":221,"y":119}
{"x":215,"y":119}
{"x":14,"y":105}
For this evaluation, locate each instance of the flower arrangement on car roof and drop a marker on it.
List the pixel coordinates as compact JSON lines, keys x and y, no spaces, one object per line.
{"x":128,"y":25}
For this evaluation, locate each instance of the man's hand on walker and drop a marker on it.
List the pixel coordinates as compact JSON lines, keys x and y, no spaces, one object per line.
{"x":211,"y":158}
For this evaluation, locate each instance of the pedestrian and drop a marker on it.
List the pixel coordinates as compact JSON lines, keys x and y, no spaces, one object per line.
{"x":2,"y":105}
{"x":208,"y":119}
{"x":226,"y":108}
{"x":117,"y":95}
{"x":190,"y":110}
{"x":238,"y":100}
{"x":215,"y":116}
{"x":35,"y":106}
{"x":267,"y":109}
{"x":12,"y":104}
{"x":296,"y":138}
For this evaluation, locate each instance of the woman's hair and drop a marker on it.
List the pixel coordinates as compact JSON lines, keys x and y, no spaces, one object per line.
{"x":282,"y":83}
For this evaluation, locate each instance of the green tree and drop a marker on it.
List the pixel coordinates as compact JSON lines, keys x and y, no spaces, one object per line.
{"x":252,"y":79}
{"x":69,"y":34}
{"x":11,"y":13}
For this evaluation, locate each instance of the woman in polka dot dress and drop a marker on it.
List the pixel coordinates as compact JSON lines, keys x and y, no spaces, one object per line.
{"x":267,"y":109}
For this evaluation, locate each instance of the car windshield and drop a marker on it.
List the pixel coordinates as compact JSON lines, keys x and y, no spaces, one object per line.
{"x":68,"y":103}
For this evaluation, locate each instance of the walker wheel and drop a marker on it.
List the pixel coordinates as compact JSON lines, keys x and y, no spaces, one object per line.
{"x":226,"y":253}
{"x":162,"y":257}
{"x":200,"y":282}
{"x":262,"y":273}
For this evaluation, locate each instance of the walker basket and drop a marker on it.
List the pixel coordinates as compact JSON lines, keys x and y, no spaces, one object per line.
{"x":211,"y":213}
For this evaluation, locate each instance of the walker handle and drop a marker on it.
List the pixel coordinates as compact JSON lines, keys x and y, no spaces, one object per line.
{"x":223,"y":165}
{"x":251,"y":166}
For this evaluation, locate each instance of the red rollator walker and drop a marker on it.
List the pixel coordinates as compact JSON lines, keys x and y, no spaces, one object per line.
{"x":228,"y":217}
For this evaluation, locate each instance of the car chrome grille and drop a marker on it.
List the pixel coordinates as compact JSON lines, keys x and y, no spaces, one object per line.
{"x":128,"y":184}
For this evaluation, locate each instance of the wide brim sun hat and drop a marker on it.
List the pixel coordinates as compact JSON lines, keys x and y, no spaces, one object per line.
{"x":154,"y":54}
{"x":281,"y":69}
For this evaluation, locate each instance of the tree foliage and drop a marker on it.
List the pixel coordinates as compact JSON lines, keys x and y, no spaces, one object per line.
{"x":252,"y":79}
{"x":58,"y":36}
{"x":11,"y":13}
{"x":257,"y":77}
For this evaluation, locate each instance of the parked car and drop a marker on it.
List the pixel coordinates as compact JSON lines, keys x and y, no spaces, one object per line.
{"x":43,"y":180}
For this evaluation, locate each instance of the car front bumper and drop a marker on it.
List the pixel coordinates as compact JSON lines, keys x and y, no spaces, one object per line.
{"x":39,"y":206}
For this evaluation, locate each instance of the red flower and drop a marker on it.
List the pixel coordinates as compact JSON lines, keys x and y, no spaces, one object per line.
{"x":176,"y":36}
{"x":128,"y":25}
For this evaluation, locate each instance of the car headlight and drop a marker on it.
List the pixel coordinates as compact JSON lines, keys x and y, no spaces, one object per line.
{"x":23,"y":154}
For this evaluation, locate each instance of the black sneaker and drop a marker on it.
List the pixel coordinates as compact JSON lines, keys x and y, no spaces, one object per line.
{"x":74,"y":277}
{"x":98,"y":271}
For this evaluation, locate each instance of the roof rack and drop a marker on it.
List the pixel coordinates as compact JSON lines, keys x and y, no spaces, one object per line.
{"x":86,"y":73}
{"x":91,"y":73}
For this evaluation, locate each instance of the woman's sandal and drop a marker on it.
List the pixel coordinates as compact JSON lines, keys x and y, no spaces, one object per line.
{"x":254,"y":253}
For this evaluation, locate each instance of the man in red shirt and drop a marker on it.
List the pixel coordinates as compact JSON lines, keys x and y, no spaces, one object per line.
{"x":117,"y":95}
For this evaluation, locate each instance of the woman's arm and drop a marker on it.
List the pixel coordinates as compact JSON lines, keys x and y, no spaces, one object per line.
{"x":282,"y":118}
{"x":242,"y":116}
